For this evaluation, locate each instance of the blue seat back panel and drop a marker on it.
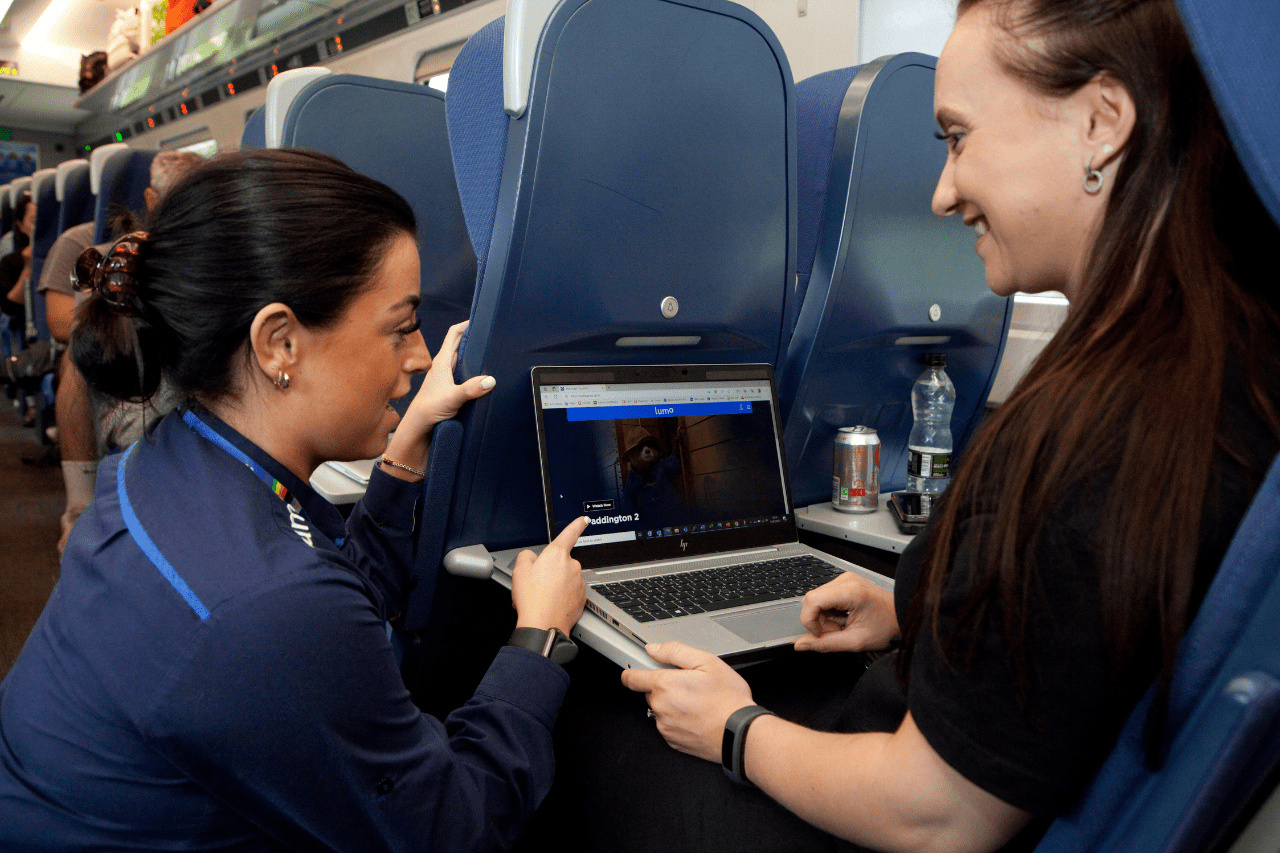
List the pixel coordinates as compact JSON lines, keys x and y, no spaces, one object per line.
{"x":882,"y":261}
{"x":125,"y":177}
{"x":46,"y":231}
{"x":254,"y":134}
{"x":655,"y":159}
{"x":396,"y":134}
{"x":78,"y":201}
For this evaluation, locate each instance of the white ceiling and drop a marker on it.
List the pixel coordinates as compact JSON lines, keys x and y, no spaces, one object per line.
{"x":40,"y":98}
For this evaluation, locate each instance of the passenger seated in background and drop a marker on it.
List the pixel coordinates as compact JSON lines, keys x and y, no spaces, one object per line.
{"x":1059,"y":572}
{"x":15,"y":265}
{"x":213,"y":669}
{"x":86,"y":427}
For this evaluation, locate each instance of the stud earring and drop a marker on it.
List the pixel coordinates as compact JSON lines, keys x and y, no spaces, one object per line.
{"x":1093,"y":179}
{"x":282,"y":380}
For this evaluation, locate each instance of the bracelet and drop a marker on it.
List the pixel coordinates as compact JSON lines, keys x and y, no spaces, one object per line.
{"x":385,"y":461}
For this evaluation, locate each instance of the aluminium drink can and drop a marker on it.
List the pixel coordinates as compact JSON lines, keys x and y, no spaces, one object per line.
{"x":855,"y":484}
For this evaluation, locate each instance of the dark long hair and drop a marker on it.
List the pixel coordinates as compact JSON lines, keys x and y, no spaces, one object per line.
{"x":235,"y":235}
{"x":20,"y":239}
{"x":1173,"y":289}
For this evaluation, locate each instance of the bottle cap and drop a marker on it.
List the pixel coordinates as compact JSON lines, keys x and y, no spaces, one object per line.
{"x":935,"y":359}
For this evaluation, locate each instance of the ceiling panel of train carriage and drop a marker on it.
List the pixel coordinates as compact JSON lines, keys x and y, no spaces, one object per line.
{"x":47,"y":48}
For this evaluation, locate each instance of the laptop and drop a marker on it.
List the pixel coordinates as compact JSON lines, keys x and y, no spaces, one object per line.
{"x":681,"y":470}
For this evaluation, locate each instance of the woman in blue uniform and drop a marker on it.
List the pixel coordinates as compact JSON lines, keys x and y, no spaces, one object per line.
{"x":213,"y":669}
{"x":1059,"y":573}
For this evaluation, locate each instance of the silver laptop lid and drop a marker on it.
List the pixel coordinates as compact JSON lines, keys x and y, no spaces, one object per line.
{"x":667,"y":461}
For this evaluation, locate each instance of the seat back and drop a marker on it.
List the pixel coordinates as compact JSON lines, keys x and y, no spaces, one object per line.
{"x":396,"y":134}
{"x":16,"y":186}
{"x":44,"y":192}
{"x":75,"y":201}
{"x":1223,"y":729}
{"x":118,"y":179}
{"x":642,"y":155}
{"x":254,"y":134}
{"x":889,"y":280}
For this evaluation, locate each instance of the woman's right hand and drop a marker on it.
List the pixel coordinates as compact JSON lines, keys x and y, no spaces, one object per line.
{"x":547,"y":591}
{"x":848,"y":614}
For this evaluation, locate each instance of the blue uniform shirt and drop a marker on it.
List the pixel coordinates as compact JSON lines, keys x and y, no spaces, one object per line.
{"x":261,"y":709}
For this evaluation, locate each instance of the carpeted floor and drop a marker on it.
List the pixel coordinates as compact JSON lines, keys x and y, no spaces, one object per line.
{"x":31,"y":501}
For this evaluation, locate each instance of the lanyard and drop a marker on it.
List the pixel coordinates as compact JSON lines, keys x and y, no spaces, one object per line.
{"x":277,"y":488}
{"x":148,"y":546}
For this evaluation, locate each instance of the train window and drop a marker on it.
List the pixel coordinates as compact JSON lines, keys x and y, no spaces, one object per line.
{"x":433,"y":66}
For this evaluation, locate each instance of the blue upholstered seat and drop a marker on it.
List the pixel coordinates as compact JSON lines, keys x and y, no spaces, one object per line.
{"x":395,"y":133}
{"x":44,"y":192}
{"x":254,"y":134}
{"x":75,"y":200}
{"x":644,"y":149}
{"x":874,"y":263}
{"x":125,"y":173}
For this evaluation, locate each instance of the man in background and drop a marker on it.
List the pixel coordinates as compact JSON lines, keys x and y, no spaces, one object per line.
{"x":84,"y":433}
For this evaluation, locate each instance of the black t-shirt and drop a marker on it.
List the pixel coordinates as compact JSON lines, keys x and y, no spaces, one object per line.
{"x":11,"y":266}
{"x":1041,"y":756}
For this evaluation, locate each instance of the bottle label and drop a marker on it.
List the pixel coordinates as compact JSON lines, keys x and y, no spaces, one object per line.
{"x":933,"y":466}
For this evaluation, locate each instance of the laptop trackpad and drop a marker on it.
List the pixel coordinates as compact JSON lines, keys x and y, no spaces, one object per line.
{"x":770,"y":623}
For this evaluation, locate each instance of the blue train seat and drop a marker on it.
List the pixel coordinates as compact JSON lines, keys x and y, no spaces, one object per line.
{"x":118,"y":176}
{"x":395,"y":133}
{"x":882,"y":279}
{"x":75,"y":201}
{"x":254,"y":134}
{"x":44,"y":191}
{"x":1223,"y":733}
{"x":612,"y":154}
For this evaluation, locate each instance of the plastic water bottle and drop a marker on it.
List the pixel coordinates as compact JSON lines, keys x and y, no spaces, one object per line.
{"x":929,"y":447}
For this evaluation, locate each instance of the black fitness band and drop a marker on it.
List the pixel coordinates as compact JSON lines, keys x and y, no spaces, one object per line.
{"x":734,"y":745}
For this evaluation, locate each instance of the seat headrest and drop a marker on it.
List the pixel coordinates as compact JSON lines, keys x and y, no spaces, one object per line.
{"x":38,"y":180}
{"x":818,"y":102}
{"x":64,"y":171}
{"x":478,"y":131}
{"x":281,"y":91}
{"x":1234,"y":44}
{"x":525,"y":22}
{"x":16,"y":187}
{"x":98,"y":161}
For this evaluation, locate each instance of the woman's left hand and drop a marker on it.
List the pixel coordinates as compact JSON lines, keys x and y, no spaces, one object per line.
{"x":693,"y":702}
{"x":439,"y":399}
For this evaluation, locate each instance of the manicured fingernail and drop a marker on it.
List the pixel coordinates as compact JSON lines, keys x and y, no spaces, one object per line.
{"x":488,"y":382}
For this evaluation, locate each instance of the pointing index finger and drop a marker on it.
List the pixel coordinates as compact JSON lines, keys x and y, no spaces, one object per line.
{"x":569,"y":536}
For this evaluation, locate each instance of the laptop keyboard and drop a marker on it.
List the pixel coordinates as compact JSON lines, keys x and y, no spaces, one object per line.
{"x":685,"y":593}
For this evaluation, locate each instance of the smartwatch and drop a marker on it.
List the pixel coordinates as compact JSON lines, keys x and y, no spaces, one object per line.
{"x":734,"y":745}
{"x":554,"y":644}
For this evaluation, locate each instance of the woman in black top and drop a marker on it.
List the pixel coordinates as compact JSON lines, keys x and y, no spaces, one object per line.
{"x":15,"y":267}
{"x":1059,"y":573}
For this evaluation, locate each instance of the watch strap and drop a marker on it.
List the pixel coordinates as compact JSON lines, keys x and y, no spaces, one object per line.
{"x":553,"y":644}
{"x":733,"y":746}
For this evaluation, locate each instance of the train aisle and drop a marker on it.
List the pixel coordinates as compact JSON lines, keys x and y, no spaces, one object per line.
{"x":31,"y":502}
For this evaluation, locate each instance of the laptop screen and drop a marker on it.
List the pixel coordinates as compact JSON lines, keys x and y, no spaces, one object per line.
{"x":665,"y":461}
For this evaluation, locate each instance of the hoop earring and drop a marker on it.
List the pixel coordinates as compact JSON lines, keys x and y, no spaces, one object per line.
{"x":1093,"y":178}
{"x":282,"y":380}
